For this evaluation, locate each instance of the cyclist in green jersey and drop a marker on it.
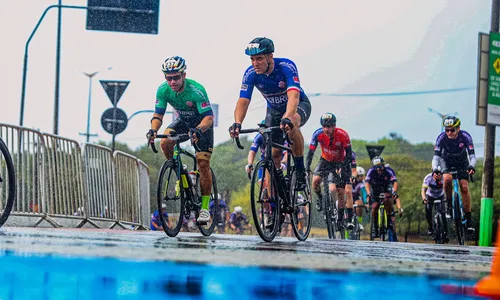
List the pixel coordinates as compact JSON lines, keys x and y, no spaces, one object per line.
{"x":189,"y":99}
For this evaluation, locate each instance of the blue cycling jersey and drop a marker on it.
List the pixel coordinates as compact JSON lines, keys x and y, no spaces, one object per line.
{"x":274,"y":86}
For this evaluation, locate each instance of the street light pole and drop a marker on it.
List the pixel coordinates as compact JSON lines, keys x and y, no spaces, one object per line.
{"x":88,"y":134}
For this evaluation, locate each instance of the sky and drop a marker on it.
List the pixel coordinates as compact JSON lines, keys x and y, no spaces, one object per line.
{"x":339,"y":47}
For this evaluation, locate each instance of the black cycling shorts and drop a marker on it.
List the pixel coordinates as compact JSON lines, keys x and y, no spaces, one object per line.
{"x":206,"y":141}
{"x":328,"y":169}
{"x":273,"y":118}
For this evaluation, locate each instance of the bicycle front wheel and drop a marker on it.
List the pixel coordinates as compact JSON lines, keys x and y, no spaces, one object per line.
{"x":7,"y":183}
{"x":301,"y":202}
{"x":438,"y":229}
{"x":170,"y":192}
{"x":330,"y":211}
{"x":208,"y":228}
{"x":459,"y":224}
{"x":264,"y":199}
{"x":382,"y":223}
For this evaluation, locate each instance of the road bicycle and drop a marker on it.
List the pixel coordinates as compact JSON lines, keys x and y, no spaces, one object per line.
{"x":440,"y":234}
{"x":179,"y":189}
{"x":7,"y":183}
{"x":355,"y":232}
{"x":458,"y":215}
{"x":384,"y":223}
{"x":274,"y":194}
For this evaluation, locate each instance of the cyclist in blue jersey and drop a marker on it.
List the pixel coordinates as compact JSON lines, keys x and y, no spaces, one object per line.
{"x":155,"y":218}
{"x":432,"y":189}
{"x":455,"y":148}
{"x":223,"y":216}
{"x":287,"y":104}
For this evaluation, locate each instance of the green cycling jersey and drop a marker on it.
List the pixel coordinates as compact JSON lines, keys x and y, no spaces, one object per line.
{"x":192,"y":104}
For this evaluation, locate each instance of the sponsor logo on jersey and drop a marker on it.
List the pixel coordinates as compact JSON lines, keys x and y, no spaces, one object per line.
{"x":296,"y":79}
{"x":205,"y":104}
{"x":260,"y":86}
{"x":461,"y":145}
{"x":471,"y":147}
{"x":281,"y":84}
{"x":437,"y":148}
{"x":157,"y":101}
{"x":186,"y":112}
{"x":277,"y":99}
{"x":189,"y":103}
{"x":244,"y":87}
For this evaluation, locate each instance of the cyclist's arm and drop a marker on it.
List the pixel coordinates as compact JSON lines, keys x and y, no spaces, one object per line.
{"x":250,"y":157}
{"x":423,"y":193}
{"x":293,"y":95}
{"x":436,"y":159}
{"x":156,"y":121}
{"x":395,"y":186}
{"x":309,"y":158}
{"x":205,"y":123}
{"x":241,"y":110}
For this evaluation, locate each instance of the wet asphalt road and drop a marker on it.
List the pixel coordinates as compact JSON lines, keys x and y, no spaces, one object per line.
{"x":322,"y":254}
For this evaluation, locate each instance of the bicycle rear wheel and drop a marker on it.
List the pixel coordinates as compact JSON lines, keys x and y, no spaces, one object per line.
{"x":329,"y":211}
{"x":170,"y":191}
{"x":208,"y":228}
{"x":7,"y":183}
{"x":301,"y":202}
{"x":382,"y":225}
{"x":264,"y":200}
{"x":438,"y":229}
{"x":459,"y":225}
{"x":354,"y":233}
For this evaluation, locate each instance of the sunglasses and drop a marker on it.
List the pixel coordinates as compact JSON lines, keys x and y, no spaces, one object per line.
{"x":329,"y":126}
{"x":173,"y":78}
{"x":450,"y":130}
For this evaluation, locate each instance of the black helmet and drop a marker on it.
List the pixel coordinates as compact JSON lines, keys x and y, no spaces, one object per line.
{"x":328,"y":119}
{"x":378,"y":161}
{"x":260,"y":45}
{"x":451,"y":121}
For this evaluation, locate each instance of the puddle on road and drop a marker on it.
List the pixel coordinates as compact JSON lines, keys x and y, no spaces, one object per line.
{"x":56,"y":277}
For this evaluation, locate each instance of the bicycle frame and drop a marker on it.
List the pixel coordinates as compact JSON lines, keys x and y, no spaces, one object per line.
{"x":456,"y":189}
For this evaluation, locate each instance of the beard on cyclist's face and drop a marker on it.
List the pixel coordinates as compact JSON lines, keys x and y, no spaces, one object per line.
{"x":451,"y":132}
{"x":261,"y":62}
{"x":329,"y":129}
{"x":175,"y":81}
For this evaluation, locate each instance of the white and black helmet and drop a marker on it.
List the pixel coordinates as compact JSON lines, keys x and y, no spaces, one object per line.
{"x":360,"y":171}
{"x":238,"y":209}
{"x":174,"y":64}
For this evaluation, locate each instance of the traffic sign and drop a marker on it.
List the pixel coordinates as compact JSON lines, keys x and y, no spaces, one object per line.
{"x":114,"y":89}
{"x":114,"y":117}
{"x":494,"y":80}
{"x":136,"y":16}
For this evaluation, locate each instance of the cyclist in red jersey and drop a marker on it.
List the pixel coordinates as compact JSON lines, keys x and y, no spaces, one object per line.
{"x":335,"y":161}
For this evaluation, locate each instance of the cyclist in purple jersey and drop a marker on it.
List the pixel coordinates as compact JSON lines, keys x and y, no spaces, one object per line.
{"x":455,"y":148}
{"x":432,"y":189}
{"x":238,"y":221}
{"x":287,"y":104}
{"x":380,"y":180}
{"x":223,"y":216}
{"x":258,"y":143}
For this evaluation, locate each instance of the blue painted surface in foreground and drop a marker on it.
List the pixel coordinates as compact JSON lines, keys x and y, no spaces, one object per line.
{"x":55,"y":277}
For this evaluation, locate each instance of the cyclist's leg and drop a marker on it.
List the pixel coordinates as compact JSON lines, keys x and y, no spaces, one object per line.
{"x":340,"y":192}
{"x":322,"y":170}
{"x":205,"y":145}
{"x":448,"y":189}
{"x":346,"y":178}
{"x":428,"y":215}
{"x":466,"y":200}
{"x":299,"y":119}
{"x":167,"y":145}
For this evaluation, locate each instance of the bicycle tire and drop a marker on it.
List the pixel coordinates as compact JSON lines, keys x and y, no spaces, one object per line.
{"x":175,"y":197}
{"x":301,"y":208}
{"x":382,"y":228}
{"x":438,"y":229}
{"x":208,"y":229}
{"x":459,"y":225}
{"x":9,"y":194}
{"x":354,"y":232}
{"x":329,"y":211}
{"x":260,"y":204}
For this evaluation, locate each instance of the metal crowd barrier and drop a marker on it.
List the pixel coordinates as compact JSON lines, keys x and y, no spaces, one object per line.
{"x":56,"y":178}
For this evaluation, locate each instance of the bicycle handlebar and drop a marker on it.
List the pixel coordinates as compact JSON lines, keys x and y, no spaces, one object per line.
{"x":174,"y":137}
{"x":262,"y":129}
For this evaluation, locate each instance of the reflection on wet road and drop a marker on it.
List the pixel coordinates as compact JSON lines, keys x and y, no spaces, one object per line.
{"x":452,"y":261}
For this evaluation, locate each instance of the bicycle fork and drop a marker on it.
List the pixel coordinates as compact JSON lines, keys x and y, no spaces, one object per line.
{"x":456,"y":192}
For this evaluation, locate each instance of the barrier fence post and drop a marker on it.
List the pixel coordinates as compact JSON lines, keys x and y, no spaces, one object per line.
{"x":486,"y":222}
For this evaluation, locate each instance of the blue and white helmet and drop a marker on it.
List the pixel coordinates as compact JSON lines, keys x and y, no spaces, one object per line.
{"x":174,"y":64}
{"x":260,"y":45}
